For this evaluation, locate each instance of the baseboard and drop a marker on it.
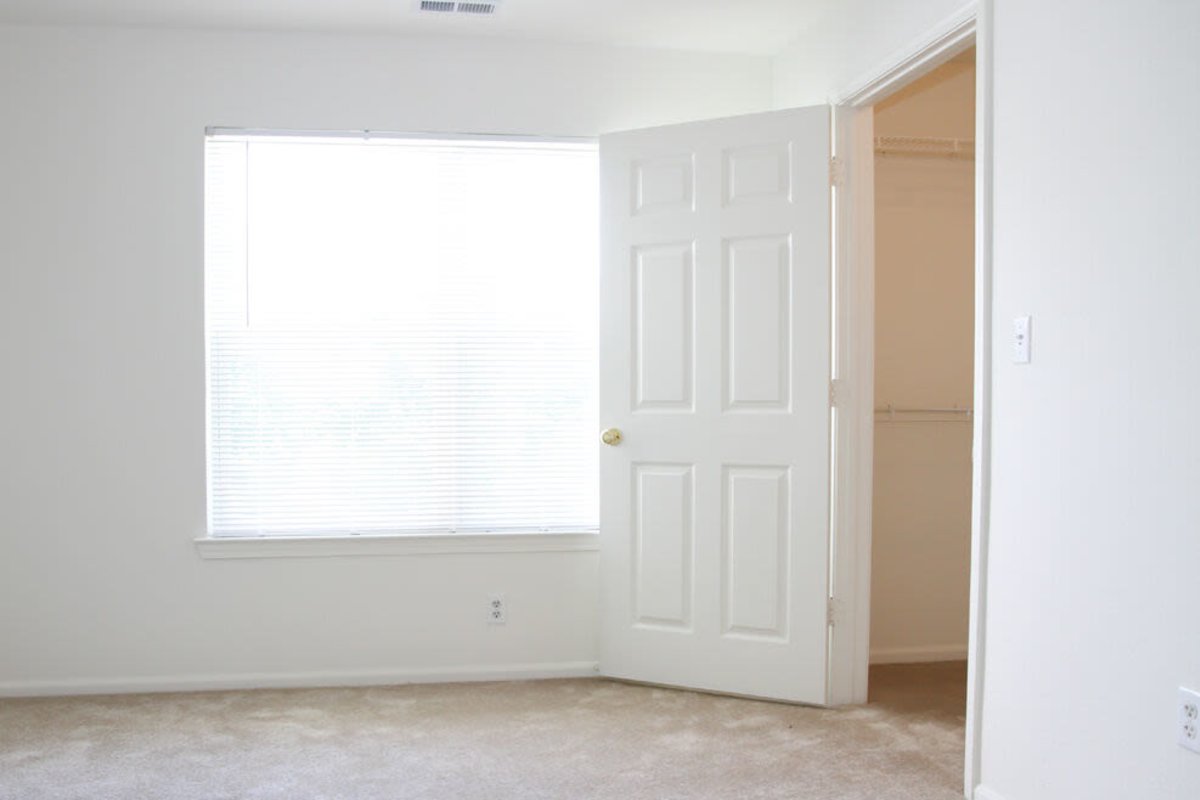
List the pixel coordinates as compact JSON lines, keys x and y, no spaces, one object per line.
{"x":984,"y":793}
{"x":918,"y":655}
{"x":297,"y":680}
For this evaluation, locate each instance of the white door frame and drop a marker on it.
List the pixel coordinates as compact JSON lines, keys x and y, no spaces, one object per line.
{"x":854,"y":359}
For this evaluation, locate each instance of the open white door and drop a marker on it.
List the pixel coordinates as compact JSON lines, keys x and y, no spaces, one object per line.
{"x":714,"y":365}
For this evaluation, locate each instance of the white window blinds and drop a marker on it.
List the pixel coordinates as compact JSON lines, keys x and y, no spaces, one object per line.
{"x":402,"y":335}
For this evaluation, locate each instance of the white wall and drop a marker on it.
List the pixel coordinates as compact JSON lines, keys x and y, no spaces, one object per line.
{"x":1094,"y":542}
{"x":924,"y":342}
{"x":848,"y":43}
{"x":101,"y":344}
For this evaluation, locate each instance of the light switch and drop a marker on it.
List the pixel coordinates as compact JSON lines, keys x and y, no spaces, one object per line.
{"x":1020,"y":340}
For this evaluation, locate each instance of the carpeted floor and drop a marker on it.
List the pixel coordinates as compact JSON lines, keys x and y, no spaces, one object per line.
{"x":552,"y":739}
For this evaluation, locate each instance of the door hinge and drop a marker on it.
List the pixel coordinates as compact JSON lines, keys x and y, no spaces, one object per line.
{"x":836,"y":392}
{"x":831,"y":612}
{"x":837,"y":171}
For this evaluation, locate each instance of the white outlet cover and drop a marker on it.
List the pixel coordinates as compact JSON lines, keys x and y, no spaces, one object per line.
{"x":497,"y":612}
{"x":1188,"y":720}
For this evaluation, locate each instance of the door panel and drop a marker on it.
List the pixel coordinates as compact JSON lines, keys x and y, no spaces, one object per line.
{"x":755,"y":551}
{"x":715,"y":366}
{"x":664,"y":538}
{"x":757,"y":324}
{"x":664,"y":308}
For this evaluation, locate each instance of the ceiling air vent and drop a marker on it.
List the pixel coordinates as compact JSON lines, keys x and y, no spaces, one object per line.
{"x":477,"y":7}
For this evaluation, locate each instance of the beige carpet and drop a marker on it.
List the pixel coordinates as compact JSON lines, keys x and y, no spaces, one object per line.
{"x":549,"y":739}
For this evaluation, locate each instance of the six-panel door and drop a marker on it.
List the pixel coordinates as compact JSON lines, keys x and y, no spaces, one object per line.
{"x":715,"y":353}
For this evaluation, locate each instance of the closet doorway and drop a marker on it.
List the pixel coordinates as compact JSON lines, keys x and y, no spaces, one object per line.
{"x":924,"y":189}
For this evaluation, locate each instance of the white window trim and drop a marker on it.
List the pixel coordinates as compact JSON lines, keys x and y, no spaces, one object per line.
{"x":280,"y":133}
{"x":231,"y":547}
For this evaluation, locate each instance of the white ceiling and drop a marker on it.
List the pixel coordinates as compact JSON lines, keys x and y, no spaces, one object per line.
{"x":734,"y":26}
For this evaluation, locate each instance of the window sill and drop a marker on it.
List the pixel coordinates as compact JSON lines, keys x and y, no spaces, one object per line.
{"x":443,"y":544}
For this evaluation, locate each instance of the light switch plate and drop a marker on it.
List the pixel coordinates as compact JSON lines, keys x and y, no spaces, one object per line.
{"x":1022,"y":330}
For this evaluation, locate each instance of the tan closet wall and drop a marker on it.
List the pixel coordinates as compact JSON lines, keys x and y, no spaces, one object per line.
{"x":923,"y":344}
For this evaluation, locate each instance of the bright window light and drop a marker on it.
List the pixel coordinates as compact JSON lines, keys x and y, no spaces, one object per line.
{"x":402,"y":335}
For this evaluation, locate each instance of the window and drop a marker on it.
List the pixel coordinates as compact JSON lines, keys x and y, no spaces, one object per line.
{"x":401,"y":335}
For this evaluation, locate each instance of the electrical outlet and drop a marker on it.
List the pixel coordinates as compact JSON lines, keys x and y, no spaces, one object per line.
{"x":1188,"y":721}
{"x":497,"y":612}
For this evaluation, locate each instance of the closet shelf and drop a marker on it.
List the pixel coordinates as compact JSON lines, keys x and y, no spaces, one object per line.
{"x":925,"y":146}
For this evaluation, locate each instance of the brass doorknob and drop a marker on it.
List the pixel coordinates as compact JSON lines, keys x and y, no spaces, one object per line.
{"x":611,"y":437}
